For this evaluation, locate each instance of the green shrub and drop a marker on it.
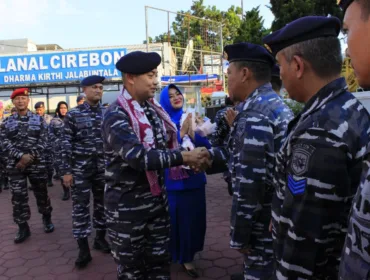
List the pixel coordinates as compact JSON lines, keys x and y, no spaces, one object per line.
{"x":295,"y":106}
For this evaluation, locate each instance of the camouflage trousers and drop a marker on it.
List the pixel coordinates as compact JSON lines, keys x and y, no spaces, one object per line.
{"x":259,"y":263}
{"x":19,"y":192}
{"x":141,"y":247}
{"x":81,"y":221}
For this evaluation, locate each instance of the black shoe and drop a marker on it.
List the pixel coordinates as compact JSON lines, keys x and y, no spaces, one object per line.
{"x":230,"y":188}
{"x":48,"y":225}
{"x":6,"y":187}
{"x":100,"y":243}
{"x":23,"y":233}
{"x":84,"y":256}
{"x":30,"y":188}
{"x":50,"y":183}
{"x":66,"y":193}
{"x":191,"y":272}
{"x":56,"y":177}
{"x":237,"y":277}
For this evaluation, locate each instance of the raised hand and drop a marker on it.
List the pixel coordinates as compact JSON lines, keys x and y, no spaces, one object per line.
{"x":185,"y":126}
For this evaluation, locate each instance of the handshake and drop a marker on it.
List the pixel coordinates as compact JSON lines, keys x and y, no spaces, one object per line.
{"x":198,"y":159}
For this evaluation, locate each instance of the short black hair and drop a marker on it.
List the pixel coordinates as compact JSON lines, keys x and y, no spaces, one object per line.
{"x":276,"y":83}
{"x":323,"y":54}
{"x":261,"y":71}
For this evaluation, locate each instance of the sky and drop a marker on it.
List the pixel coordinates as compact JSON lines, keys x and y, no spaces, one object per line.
{"x":97,"y":23}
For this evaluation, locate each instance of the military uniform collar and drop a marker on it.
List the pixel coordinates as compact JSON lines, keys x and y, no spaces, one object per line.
{"x":16,"y":116}
{"x":88,"y":106}
{"x":260,"y":90}
{"x":325,"y":94}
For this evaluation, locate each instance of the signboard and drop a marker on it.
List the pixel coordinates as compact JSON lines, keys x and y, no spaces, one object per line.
{"x":183,"y":79}
{"x":214,"y":59}
{"x":58,"y":67}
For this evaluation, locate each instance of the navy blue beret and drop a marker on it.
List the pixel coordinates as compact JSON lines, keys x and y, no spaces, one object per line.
{"x":92,"y":80}
{"x":344,"y":4}
{"x":302,"y":29}
{"x":39,"y":104}
{"x":80,"y":97}
{"x":275,"y":71}
{"x":138,"y":62}
{"x":248,"y":52}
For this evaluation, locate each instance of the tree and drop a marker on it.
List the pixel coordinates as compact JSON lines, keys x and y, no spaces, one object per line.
{"x":251,"y":29}
{"x":286,"y":11}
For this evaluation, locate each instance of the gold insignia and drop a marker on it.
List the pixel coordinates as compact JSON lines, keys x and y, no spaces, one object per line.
{"x":268,"y":48}
{"x":338,"y":2}
{"x":26,"y":92}
{"x":226,"y":56}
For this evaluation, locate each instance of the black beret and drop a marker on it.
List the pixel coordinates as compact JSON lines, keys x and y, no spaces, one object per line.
{"x":92,"y":80}
{"x":39,"y":104}
{"x":248,"y":52}
{"x":80,"y":97}
{"x":344,"y":4}
{"x":275,"y":71}
{"x":302,"y":29}
{"x":138,"y":62}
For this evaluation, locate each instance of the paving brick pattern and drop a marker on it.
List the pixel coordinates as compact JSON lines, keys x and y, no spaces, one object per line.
{"x":51,"y":256}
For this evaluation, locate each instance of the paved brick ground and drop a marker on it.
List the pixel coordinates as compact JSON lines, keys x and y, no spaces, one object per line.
{"x":51,"y":256}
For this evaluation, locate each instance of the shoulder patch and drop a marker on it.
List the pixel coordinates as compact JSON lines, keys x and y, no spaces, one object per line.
{"x":301,"y":157}
{"x":240,"y":127}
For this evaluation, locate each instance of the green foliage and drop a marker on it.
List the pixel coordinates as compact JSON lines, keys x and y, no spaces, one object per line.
{"x":286,"y":11}
{"x":251,"y":29}
{"x":295,"y":106}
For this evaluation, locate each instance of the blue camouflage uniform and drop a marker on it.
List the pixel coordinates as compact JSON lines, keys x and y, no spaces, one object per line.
{"x":26,"y":135}
{"x":256,"y":136}
{"x":355,"y":261}
{"x":318,"y":169}
{"x":55,"y":139}
{"x":138,"y":222}
{"x":83,"y":157}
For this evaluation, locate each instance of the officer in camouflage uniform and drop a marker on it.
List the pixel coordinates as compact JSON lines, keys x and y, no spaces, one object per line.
{"x":24,"y":137}
{"x":3,"y":176}
{"x":256,"y":136}
{"x":221,"y":135}
{"x":319,"y":165}
{"x":136,"y":143}
{"x":40,"y":110}
{"x":83,"y":168}
{"x":56,"y":128}
{"x":355,"y":261}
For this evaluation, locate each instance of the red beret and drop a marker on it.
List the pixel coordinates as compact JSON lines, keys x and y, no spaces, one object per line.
{"x":19,"y":91}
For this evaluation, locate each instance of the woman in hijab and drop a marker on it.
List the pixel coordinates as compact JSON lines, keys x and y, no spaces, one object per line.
{"x":187,"y":201}
{"x":55,"y":135}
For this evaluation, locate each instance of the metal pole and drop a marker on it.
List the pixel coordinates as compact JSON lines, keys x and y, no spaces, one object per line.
{"x":242,"y":5}
{"x":146,"y":29}
{"x":222,"y":64}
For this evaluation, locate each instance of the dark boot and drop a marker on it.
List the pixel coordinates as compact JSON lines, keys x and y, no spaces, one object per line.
{"x":84,"y":256}
{"x":50,"y":183}
{"x":23,"y":233}
{"x":6,"y":183}
{"x":66,"y":194}
{"x":100,"y":243}
{"x":48,"y":225}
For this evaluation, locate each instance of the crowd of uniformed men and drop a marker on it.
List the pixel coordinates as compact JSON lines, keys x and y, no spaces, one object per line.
{"x":300,"y":185}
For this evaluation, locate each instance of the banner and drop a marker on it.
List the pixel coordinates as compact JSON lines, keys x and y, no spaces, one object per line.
{"x":57,"y":67}
{"x":182,"y":79}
